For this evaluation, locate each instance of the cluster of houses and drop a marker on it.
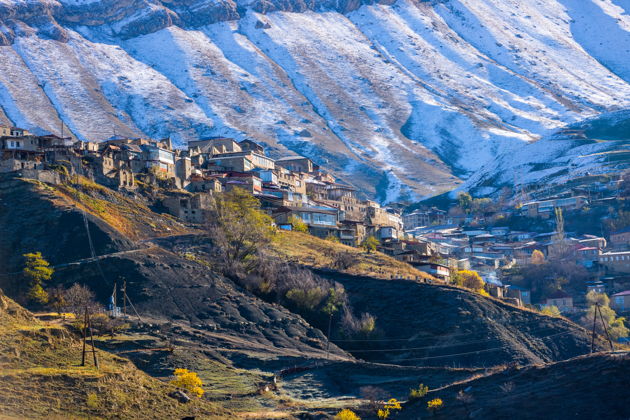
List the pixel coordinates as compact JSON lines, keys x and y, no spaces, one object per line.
{"x":441,"y":242}
{"x":433,"y":240}
{"x":291,"y":186}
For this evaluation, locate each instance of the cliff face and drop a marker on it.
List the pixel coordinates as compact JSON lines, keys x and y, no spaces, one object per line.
{"x":401,"y":98}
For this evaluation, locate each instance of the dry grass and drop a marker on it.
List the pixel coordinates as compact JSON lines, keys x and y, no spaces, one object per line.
{"x":41,"y":377}
{"x":314,"y":252}
{"x":128,"y":216}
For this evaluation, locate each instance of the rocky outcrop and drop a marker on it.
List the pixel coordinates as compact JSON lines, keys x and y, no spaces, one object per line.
{"x":130,"y":18}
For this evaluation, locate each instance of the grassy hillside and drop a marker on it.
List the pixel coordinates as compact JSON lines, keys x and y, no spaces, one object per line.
{"x":40,"y":377}
{"x":314,"y":252}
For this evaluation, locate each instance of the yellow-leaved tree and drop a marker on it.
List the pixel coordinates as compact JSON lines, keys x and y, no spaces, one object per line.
{"x":36,"y":271}
{"x":469,"y":279}
{"x":189,"y":381}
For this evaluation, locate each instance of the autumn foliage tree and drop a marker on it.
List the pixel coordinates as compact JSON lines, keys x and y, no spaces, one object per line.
{"x":238,"y":230}
{"x":469,"y":279}
{"x":36,"y":272}
{"x":189,"y":381}
{"x":370,"y":244}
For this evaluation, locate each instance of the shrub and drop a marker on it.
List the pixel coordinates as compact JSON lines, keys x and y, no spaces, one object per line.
{"x":391,"y":404}
{"x":369,"y":244}
{"x":343,"y":260}
{"x":435,"y":404}
{"x":103,"y":324}
{"x":92,"y":401}
{"x":306,"y":298}
{"x":346,"y":414}
{"x":469,"y":279}
{"x":483,"y":292}
{"x":417,"y":393}
{"x":551,"y":310}
{"x":298,"y":224}
{"x":332,"y":238}
{"x":189,"y":381}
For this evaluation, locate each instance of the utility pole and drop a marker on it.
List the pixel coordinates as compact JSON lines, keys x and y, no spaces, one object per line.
{"x":87,"y":324}
{"x":594,"y":322}
{"x":125,"y":298}
{"x":601,"y":317}
{"x":604,"y":326}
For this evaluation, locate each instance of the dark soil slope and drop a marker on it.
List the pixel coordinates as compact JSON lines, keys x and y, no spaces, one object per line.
{"x":210,"y":311}
{"x":434,"y":325}
{"x":587,"y":387}
{"x":36,"y":218}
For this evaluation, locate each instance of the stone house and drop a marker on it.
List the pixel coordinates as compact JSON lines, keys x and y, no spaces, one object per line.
{"x":201,"y":183}
{"x":621,"y":238}
{"x":523,"y":295}
{"x":189,"y":208}
{"x":297,"y":164}
{"x":620,"y":302}
{"x":615,"y":262}
{"x":321,"y":220}
{"x":251,"y":146}
{"x":561,"y":299}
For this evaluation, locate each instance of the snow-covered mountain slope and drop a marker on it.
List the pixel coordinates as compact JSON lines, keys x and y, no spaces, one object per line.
{"x":402,"y":99}
{"x":598,"y":145}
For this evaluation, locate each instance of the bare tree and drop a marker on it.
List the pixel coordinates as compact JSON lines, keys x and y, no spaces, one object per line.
{"x":78,"y":297}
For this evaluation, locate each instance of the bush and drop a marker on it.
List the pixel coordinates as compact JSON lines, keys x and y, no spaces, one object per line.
{"x":370,"y":244}
{"x":189,"y":381}
{"x":343,"y":260}
{"x":92,"y":401}
{"x":551,"y":310}
{"x":298,"y":224}
{"x":104,"y":324}
{"x":346,"y":414}
{"x":469,"y":279}
{"x":306,"y":298}
{"x":435,"y":404}
{"x":416,"y":394}
{"x":332,"y":238}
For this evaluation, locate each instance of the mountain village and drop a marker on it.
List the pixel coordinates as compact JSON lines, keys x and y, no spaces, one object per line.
{"x":441,"y":242}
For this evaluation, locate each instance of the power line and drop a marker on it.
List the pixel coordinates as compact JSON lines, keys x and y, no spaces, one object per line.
{"x":456,"y":354}
{"x":439,"y":346}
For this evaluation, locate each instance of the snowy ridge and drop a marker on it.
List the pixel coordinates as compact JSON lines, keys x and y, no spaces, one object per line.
{"x":402,"y":100}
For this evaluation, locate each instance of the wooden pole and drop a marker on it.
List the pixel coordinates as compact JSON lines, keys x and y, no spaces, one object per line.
{"x":92,"y":342}
{"x":125,"y":298}
{"x":85,"y":317}
{"x":594,"y":322}
{"x":328,"y":337}
{"x":612,"y":348}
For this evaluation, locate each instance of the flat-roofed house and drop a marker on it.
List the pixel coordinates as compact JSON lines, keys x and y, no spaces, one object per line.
{"x":297,"y":164}
{"x":621,"y":301}
{"x":621,"y":238}
{"x":321,"y":220}
{"x":560,"y":299}
{"x":615,"y":262}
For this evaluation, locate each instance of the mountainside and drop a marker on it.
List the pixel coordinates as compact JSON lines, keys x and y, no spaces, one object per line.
{"x":589,"y":387}
{"x":401,"y":99}
{"x":596,"y":146}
